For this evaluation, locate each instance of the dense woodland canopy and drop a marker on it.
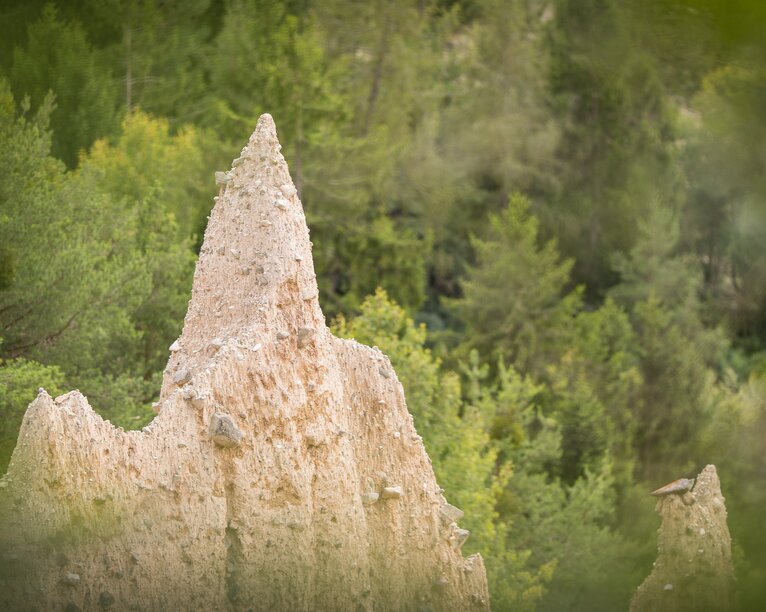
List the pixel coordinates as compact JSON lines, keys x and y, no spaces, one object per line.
{"x":551,"y":214}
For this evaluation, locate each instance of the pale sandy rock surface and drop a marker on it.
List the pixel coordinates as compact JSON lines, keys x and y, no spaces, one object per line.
{"x":693,"y":570}
{"x":283,"y":471}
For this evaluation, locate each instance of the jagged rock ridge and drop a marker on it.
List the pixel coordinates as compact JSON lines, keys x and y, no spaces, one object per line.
{"x":283,"y":470}
{"x":693,"y":570}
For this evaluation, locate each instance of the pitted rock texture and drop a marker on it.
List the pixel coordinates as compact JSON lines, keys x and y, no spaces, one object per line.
{"x":693,"y":570}
{"x":283,"y":471}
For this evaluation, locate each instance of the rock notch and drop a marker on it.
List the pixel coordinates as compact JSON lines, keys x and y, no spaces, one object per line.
{"x":283,"y":472}
{"x":693,"y":570}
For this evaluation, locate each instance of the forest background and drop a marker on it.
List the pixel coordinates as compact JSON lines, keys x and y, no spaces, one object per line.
{"x":563,"y":203}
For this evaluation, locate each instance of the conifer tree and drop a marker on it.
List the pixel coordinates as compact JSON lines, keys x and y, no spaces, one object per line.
{"x":58,"y":58}
{"x":516,"y":303}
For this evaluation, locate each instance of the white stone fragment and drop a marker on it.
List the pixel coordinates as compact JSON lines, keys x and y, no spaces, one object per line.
{"x":450,"y":514}
{"x":395,"y":492}
{"x":461,"y":535}
{"x":181,"y":377}
{"x":71,"y":579}
{"x":222,"y":178}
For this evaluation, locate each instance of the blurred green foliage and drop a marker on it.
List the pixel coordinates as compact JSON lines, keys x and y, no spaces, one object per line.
{"x":568,"y":196}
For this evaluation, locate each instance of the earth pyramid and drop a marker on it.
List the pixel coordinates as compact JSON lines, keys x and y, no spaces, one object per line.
{"x":282,"y":472}
{"x":694,"y":569}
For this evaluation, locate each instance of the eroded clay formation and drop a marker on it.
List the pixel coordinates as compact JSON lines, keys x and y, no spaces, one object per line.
{"x":693,"y":570}
{"x":283,"y":471}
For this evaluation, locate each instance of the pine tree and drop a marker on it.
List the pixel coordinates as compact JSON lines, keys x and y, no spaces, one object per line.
{"x":58,"y":58}
{"x":677,"y":354}
{"x":456,"y":436}
{"x":616,"y":149}
{"x":515,"y":303}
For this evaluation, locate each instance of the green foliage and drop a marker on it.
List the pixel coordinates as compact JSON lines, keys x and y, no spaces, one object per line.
{"x":60,"y":237}
{"x":147,"y":160}
{"x":157,"y":50}
{"x":619,"y":301}
{"x":102,"y":274}
{"x":58,"y":58}
{"x":617,"y":138}
{"x":265,"y":49}
{"x":283,"y":58}
{"x":653,"y":267}
{"x":19,"y":379}
{"x":456,"y":436}
{"x":514,"y":302}
{"x":734,"y":441}
{"x":398,"y":259}
{"x":675,"y":350}
{"x":726,"y":225}
{"x":593,"y":391}
{"x":596,"y":568}
{"x":152,"y":180}
{"x":569,"y":528}
{"x":674,"y":402}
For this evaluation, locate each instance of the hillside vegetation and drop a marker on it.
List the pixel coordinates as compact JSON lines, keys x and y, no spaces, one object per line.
{"x":550,"y":214}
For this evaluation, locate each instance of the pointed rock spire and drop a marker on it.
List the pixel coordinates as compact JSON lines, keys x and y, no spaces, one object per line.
{"x":258,"y":485}
{"x":693,"y":570}
{"x":255,"y":275}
